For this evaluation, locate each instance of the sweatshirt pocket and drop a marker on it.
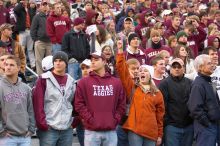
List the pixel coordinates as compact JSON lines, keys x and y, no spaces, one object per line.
{"x":17,"y":122}
{"x":104,"y":121}
{"x":213,"y":113}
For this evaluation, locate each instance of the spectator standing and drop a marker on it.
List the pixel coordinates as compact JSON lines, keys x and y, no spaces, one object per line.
{"x":174,"y":28}
{"x":52,"y":100}
{"x":4,"y":13}
{"x":76,"y":45}
{"x":85,"y":67}
{"x":204,"y":103}
{"x":17,"y":114}
{"x":133,"y":50}
{"x":24,"y":13}
{"x":178,"y":123}
{"x":156,"y":43}
{"x":56,"y":26}
{"x":39,"y":35}
{"x":159,"y":66}
{"x":3,"y":58}
{"x":133,"y":67}
{"x":100,"y":102}
{"x":145,"y":117}
{"x":12,"y":46}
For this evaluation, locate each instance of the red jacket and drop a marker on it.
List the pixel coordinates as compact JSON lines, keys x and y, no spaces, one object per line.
{"x":56,"y":27}
{"x":151,"y":52}
{"x":100,"y":101}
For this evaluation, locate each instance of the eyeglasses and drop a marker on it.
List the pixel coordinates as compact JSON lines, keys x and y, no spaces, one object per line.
{"x":45,"y":4}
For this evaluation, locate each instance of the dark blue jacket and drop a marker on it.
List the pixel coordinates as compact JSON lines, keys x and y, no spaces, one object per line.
{"x":204,"y":102}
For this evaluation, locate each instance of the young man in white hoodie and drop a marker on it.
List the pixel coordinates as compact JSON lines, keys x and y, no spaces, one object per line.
{"x":17,"y":122}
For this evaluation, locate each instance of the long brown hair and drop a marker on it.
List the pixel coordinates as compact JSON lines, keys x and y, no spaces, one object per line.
{"x":102,"y":34}
{"x":176,"y":53}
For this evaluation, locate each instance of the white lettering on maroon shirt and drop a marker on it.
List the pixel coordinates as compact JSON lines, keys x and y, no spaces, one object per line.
{"x":106,"y":90}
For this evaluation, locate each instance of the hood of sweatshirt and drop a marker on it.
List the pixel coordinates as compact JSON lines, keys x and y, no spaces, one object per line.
{"x":94,"y":74}
{"x":4,"y":79}
{"x":90,"y":14}
{"x":128,"y":10}
{"x":211,"y":39}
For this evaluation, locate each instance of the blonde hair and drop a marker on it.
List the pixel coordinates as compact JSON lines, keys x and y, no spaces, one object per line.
{"x":153,"y":87}
{"x":211,"y":27}
{"x":154,"y":33}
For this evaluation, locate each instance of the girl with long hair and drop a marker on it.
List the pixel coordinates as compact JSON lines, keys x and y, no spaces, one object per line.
{"x":145,"y":116}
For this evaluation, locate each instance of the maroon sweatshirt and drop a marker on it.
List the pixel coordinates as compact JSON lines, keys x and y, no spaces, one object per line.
{"x":4,"y":15}
{"x":56,"y":27}
{"x":151,"y":52}
{"x":171,"y":31}
{"x":100,"y":101}
{"x":195,"y":40}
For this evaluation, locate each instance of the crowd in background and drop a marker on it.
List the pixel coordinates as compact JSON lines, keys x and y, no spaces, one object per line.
{"x":125,"y":73}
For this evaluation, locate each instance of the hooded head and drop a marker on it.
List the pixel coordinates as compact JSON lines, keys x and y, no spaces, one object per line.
{"x":90,"y":17}
{"x":212,"y":40}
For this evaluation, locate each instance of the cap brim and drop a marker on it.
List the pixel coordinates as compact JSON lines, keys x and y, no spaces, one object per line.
{"x":94,"y":56}
{"x":176,"y":62}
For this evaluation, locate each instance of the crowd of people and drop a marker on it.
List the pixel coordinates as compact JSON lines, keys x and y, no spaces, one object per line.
{"x":123,"y":73}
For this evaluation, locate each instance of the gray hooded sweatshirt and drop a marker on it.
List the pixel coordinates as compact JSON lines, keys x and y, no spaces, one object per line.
{"x":16,"y":109}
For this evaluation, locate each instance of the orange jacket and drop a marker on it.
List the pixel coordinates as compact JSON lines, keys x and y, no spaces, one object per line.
{"x":146,"y":113}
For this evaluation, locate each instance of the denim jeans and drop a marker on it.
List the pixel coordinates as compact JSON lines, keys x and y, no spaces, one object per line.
{"x":100,"y":138}
{"x":218,"y":134}
{"x":56,"y":48}
{"x":122,"y":136}
{"x":205,"y":136}
{"x":80,"y":134}
{"x":174,"y":136}
{"x":137,"y":140}
{"x":15,"y":141}
{"x":54,"y":137}
{"x":74,"y":70}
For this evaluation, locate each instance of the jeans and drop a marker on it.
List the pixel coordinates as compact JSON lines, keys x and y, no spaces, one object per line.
{"x":74,"y":70}
{"x":54,"y":137}
{"x":218,"y":134}
{"x":15,"y":141}
{"x":80,"y":134}
{"x":100,"y":138}
{"x":122,"y":136}
{"x":137,"y":140}
{"x":205,"y":136}
{"x":174,"y":136}
{"x":26,"y":41}
{"x":56,"y":48}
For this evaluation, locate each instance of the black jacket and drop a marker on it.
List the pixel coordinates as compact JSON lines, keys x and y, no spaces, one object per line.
{"x":20,"y":13}
{"x":76,"y":45}
{"x":38,"y":28}
{"x":176,"y":94}
{"x":204,"y":101}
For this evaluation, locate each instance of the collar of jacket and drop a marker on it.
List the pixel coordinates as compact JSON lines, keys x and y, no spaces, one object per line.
{"x":177,"y":78}
{"x":207,"y":78}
